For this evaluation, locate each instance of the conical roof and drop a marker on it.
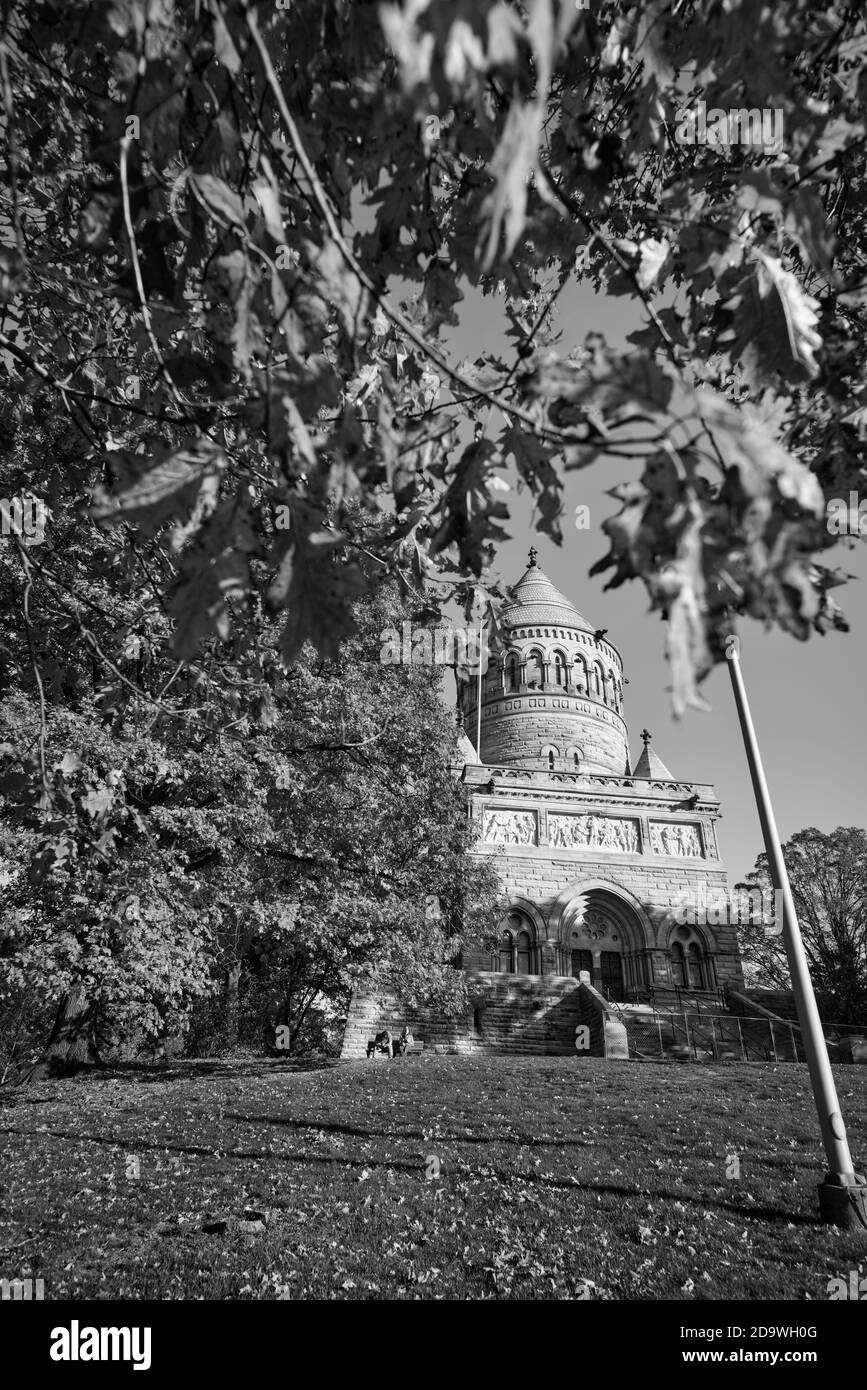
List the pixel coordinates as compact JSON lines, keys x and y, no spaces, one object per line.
{"x":650,"y":765}
{"x":537,"y":601}
{"x":466,"y":751}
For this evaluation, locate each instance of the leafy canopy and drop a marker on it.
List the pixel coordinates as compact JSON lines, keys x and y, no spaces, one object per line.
{"x":151,"y":849}
{"x":230,"y":252}
{"x":828,"y":876}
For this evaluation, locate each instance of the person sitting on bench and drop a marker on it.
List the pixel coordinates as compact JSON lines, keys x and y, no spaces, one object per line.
{"x":405,"y":1041}
{"x":381,"y":1043}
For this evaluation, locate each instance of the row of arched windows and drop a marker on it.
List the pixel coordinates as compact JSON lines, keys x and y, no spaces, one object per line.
{"x":690,"y":965}
{"x":515,"y":957}
{"x":514,"y":953}
{"x":583,"y":676}
{"x":550,"y":754}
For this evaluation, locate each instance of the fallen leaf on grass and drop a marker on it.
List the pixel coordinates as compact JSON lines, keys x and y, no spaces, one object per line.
{"x":215,"y":1225}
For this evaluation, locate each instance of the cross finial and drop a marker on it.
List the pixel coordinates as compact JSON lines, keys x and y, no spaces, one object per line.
{"x":645,"y":737}
{"x":533,"y":554}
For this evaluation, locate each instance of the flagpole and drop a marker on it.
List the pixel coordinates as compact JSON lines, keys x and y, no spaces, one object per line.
{"x":479,"y":710}
{"x":843,"y":1194}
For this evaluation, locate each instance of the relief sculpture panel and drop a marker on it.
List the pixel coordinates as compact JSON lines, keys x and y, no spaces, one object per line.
{"x":593,"y":832}
{"x":510,"y":827}
{"x":681,"y":840}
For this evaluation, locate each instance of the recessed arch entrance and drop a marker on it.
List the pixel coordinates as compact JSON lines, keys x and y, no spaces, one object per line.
{"x":599,"y":927}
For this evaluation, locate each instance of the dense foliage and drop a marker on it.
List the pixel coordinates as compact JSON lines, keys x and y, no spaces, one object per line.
{"x":197,"y":848}
{"x":828,"y":876}
{"x":236,"y":241}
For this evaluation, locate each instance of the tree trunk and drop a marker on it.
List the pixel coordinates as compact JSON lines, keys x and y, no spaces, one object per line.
{"x":73,"y":1045}
{"x":233,"y":979}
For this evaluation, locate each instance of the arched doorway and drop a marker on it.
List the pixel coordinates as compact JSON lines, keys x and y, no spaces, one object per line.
{"x":611,"y":974}
{"x":581,"y":961}
{"x":600,"y":931}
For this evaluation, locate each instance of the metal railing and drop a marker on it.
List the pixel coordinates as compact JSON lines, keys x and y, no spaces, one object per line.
{"x":713,"y":1037}
{"x":687,"y":1000}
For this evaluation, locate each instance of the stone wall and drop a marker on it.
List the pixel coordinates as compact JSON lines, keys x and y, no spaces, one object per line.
{"x":515,"y":729}
{"x":782,"y":1003}
{"x":779,"y":1002}
{"x":530,"y":1014}
{"x":608,"y":1036}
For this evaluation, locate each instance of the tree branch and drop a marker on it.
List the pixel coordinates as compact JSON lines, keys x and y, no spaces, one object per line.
{"x":349,"y":259}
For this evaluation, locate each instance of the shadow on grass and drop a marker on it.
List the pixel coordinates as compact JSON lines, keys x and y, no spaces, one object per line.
{"x":195,"y":1068}
{"x":17,"y":1091}
{"x":592,"y":1188}
{"x":518,"y":1141}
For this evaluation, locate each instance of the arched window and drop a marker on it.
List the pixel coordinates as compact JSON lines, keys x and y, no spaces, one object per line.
{"x":514,"y":950}
{"x":599,"y":681}
{"x":695,"y":972}
{"x":523,"y":953}
{"x":690,"y":965}
{"x":535,"y":669}
{"x":559,"y":669}
{"x":678,"y":965}
{"x":512,"y":672}
{"x":573,"y":756}
{"x":505,"y":953}
{"x":550,"y":754}
{"x":581,"y":679}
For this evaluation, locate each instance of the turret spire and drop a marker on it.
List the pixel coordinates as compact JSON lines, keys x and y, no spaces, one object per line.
{"x":650,"y":765}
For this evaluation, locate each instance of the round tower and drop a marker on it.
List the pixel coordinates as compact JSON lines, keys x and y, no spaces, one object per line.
{"x":552,"y":694}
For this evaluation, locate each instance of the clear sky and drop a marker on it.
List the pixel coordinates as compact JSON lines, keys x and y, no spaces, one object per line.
{"x":807,"y":698}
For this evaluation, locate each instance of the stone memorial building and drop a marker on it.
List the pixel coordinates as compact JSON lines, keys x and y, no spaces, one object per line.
{"x":593,"y":855}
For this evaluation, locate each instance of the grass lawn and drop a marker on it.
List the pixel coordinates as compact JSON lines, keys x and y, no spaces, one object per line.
{"x":557,"y":1178}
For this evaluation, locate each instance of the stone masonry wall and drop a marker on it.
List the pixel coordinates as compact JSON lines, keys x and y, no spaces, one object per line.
{"x":528,"y":1014}
{"x":514,"y":731}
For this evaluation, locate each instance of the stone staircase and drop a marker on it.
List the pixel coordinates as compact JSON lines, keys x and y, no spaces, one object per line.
{"x":525,"y":1013}
{"x":538,"y":1015}
{"x":531,"y":1014}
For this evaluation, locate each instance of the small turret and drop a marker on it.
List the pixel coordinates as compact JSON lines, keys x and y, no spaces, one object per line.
{"x":649,"y":764}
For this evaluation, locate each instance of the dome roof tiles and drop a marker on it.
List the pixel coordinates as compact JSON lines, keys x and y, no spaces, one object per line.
{"x":538,"y":601}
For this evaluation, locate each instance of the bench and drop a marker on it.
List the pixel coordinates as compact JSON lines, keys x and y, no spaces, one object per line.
{"x":415,"y":1048}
